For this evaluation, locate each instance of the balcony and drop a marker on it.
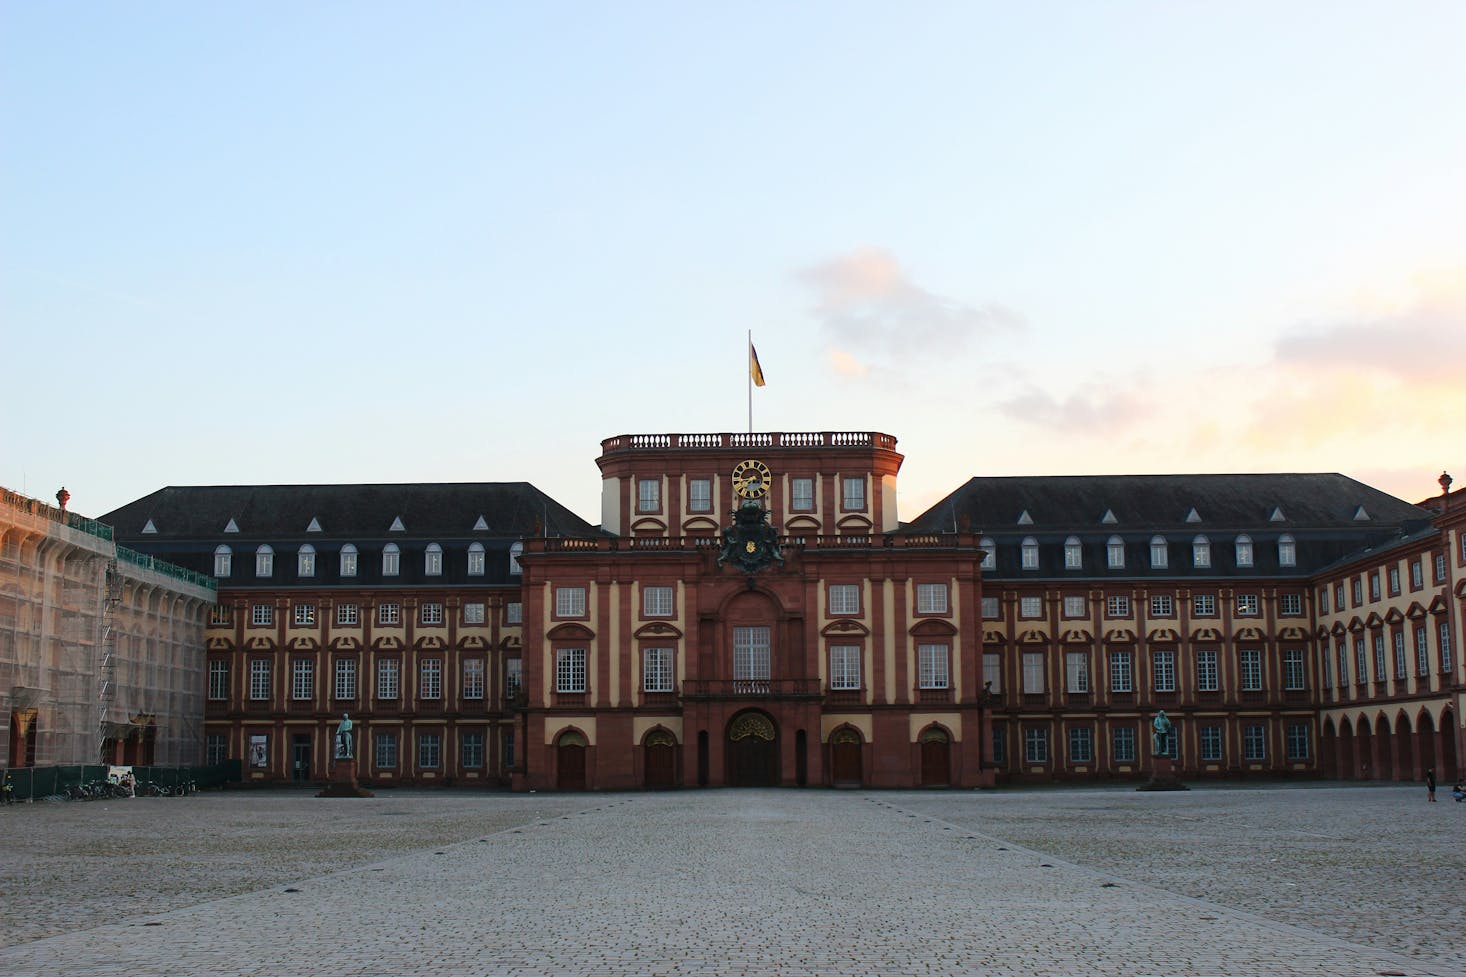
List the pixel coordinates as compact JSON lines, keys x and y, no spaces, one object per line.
{"x":779,"y":688}
{"x":724,"y":441}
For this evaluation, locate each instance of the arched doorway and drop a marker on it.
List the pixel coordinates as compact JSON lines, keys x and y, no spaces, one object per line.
{"x":753,"y":751}
{"x":1328,"y":751}
{"x":1348,"y":766}
{"x":570,"y":760}
{"x":1404,"y":746}
{"x":659,"y":751}
{"x":1425,"y":740}
{"x":1383,"y":758}
{"x":1364,"y":748}
{"x":936,"y":757}
{"x":1450,"y":763}
{"x":22,"y":738}
{"x":846,"y":768}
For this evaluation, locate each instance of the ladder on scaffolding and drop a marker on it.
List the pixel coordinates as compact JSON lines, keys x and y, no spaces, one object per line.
{"x":107,"y":652}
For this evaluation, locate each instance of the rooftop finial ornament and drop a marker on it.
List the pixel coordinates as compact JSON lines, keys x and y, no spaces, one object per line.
{"x":1445,"y":483}
{"x":63,"y":497}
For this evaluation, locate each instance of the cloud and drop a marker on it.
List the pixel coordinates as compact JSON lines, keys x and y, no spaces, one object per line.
{"x":870,"y":310}
{"x":1426,"y":342}
{"x":1095,"y":408}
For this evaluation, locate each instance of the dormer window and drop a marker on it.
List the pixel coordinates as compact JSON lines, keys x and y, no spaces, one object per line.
{"x":223,"y":561}
{"x":391,"y":560}
{"x":1115,"y":553}
{"x":264,"y":562}
{"x":514,"y":551}
{"x":1159,"y":553}
{"x":432,"y":564}
{"x":1030,"y":553}
{"x":1244,"y":551}
{"x":1201,"y":553}
{"x":1288,"y":552}
{"x":305,"y":561}
{"x":476,"y":560}
{"x":348,"y":560}
{"x":1073,"y":554}
{"x":989,"y":553}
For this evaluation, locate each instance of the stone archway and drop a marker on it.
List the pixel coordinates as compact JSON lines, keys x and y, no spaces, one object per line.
{"x":1328,"y":751}
{"x":847,"y":768}
{"x":936,"y":757}
{"x":570,"y":750}
{"x":1450,"y":762}
{"x":1404,"y":742}
{"x":753,"y":751}
{"x":658,"y":767}
{"x":1348,"y":762}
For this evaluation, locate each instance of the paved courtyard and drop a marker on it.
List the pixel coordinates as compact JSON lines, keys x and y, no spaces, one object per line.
{"x":1349,"y":880}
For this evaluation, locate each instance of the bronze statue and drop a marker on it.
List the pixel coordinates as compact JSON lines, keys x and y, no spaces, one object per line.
{"x":1162,"y":727}
{"x":343,"y":737}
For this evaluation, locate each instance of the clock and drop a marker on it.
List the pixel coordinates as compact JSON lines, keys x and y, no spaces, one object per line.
{"x":751,"y":479}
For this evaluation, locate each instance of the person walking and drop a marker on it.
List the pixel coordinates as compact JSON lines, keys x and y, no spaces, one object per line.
{"x":1430,"y":785}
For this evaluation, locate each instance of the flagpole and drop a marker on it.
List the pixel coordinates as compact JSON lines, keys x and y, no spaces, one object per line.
{"x":749,"y":371}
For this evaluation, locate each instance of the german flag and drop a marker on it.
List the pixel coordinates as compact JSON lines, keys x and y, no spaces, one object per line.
{"x":754,"y":370}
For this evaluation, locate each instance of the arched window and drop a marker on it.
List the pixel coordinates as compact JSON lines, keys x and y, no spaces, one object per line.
{"x":432,"y":563}
{"x":223,"y":561}
{"x":514,"y":552}
{"x":348,"y":560}
{"x":1030,"y":553}
{"x":990,"y":552}
{"x":1244,"y":551}
{"x":305,"y":561}
{"x":1159,"y":553}
{"x":264,"y":561}
{"x":1201,"y":552}
{"x":1288,"y":550}
{"x":476,"y":560}
{"x":391,"y":560}
{"x":1115,"y":553}
{"x":1073,"y":554}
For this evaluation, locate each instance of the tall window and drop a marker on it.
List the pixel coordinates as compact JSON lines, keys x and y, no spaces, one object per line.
{"x":1445,"y":639}
{"x":1290,"y":605}
{"x":264,"y":561}
{"x":656,"y":601}
{"x":1206,"y":670}
{"x":1162,"y":605}
{"x":386,"y":751}
{"x":845,"y":667}
{"x":1115,"y":553}
{"x":221,"y":614}
{"x":1250,"y":663}
{"x":1034,"y":682}
{"x":348,"y":560}
{"x":429,"y":750}
{"x":570,"y":670}
{"x":476,"y":559}
{"x":1402,"y":667}
{"x":1163,"y":664}
{"x":570,"y":602}
{"x":844,"y":599}
{"x":1000,"y":745}
{"x":223,"y":561}
{"x":992,"y":672}
{"x":513,"y":677}
{"x":345,"y":679}
{"x":262,"y":615}
{"x":1440,"y":567}
{"x":1123,"y":740}
{"x":992,"y":609}
{"x":514,"y":551}
{"x":1030,"y":553}
{"x":1122,"y":672}
{"x":852,"y":493}
{"x":1379,"y":658}
{"x":1211,"y":743}
{"x":1394,"y":578}
{"x":473,"y":612}
{"x":389,"y":612}
{"x":259,"y":679}
{"x":305,"y":615}
{"x":989,"y":553}
{"x":1081,"y":744}
{"x":801,"y":494}
{"x":1159,"y":553}
{"x":431,"y":612}
{"x":1287,"y":551}
{"x":1298,"y":741}
{"x":305,"y":561}
{"x":1325,"y":672}
{"x":1254,"y":742}
{"x":432,"y":562}
{"x":1201,"y":552}
{"x":1073,"y":554}
{"x":1247,"y":605}
{"x":1076,"y":671}
{"x":430,"y":674}
{"x":391,"y":560}
{"x":751,"y":654}
{"x":1374,"y":586}
{"x":1323,"y":600}
{"x":1075,"y":606}
{"x":932,"y":666}
{"x":1343,"y":652}
{"x":513,"y":612}
{"x":1361,"y":662}
{"x":1031,"y":607}
{"x":699,"y":495}
{"x":1244,"y":551}
{"x":656,"y":670}
{"x":1294,"y":676}
{"x":648,"y":495}
{"x":473,"y":678}
{"x":1422,"y":653}
{"x":389,"y":678}
{"x":216,"y":749}
{"x":218,"y":679}
{"x":1036,"y":744}
{"x":931,"y":598}
{"x":472,"y":751}
{"x":1204,"y":605}
{"x":302,"y":680}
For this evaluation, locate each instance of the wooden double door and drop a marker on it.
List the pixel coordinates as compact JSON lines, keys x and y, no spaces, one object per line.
{"x":753,"y":751}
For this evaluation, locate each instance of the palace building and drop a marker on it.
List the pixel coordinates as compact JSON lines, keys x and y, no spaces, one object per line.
{"x":751,"y":610}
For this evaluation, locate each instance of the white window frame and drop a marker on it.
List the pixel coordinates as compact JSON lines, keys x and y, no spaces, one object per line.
{"x":1076,"y":606}
{"x":223,"y":561}
{"x":1402,"y":661}
{"x":1035,"y":673}
{"x":476,"y":559}
{"x":656,"y":670}
{"x":1115,"y":553}
{"x":1201,"y":553}
{"x":801,"y":494}
{"x":513,"y":612}
{"x":1249,"y":669}
{"x":432,"y":561}
{"x":389,"y":679}
{"x":473,"y":678}
{"x":389,"y":613}
{"x":302,"y":679}
{"x":1290,"y":605}
{"x":658,"y":601}
{"x":1035,"y":744}
{"x":1122,"y":743}
{"x":1117,"y":605}
{"x":1203,"y":605}
{"x":1287,"y":551}
{"x":259,"y":679}
{"x":348,"y":560}
{"x":992,"y":672}
{"x":752,"y":653}
{"x":473,"y":612}
{"x":1163,"y":669}
{"x":845,"y":668}
{"x":264,"y":561}
{"x":1295,"y":670}
{"x":992,"y":608}
{"x":1030,"y":607}
{"x":852,"y":493}
{"x":1029,"y":551}
{"x":1247,"y":605}
{"x":844,"y":600}
{"x":931,"y":598}
{"x":1422,"y":652}
{"x":570,"y":671}
{"x":391,"y":560}
{"x":1210,"y":742}
{"x":384,"y":750}
{"x":1243,"y":547}
{"x":304,"y":615}
{"x":471,"y":749}
{"x":989,"y":553}
{"x":1162,"y":605}
{"x":1122,"y":671}
{"x":1076,"y":672}
{"x":305,"y":561}
{"x":1254,"y":743}
{"x":1160,"y":551}
{"x":218,"y":680}
{"x":1208,"y":676}
{"x":699,"y":495}
{"x":1081,"y":744}
{"x":1299,"y":745}
{"x":429,"y":750}
{"x":344,"y":686}
{"x":347,"y":614}
{"x":648,"y":495}
{"x":1073,"y":554}
{"x":262,"y":615}
{"x":570,"y":602}
{"x":430,"y":612}
{"x":430,"y":678}
{"x":933,"y":666}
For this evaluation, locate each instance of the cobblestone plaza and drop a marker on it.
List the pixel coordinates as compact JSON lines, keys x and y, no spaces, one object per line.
{"x":1288,"y":880}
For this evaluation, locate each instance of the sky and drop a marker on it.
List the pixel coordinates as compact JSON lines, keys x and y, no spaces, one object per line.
{"x":384,"y":242}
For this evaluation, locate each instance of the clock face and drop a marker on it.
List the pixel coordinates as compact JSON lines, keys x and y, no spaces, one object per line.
{"x":751,"y":479}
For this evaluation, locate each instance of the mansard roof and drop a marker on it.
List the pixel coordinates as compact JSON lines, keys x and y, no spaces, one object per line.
{"x":433,"y":510}
{"x":1161,"y":503}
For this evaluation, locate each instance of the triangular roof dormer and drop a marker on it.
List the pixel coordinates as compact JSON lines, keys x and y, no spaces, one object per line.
{"x":230,"y":527}
{"x":481,"y":525}
{"x":1360,"y":515}
{"x":1025,"y":519}
{"x":1277,"y":515}
{"x":1193,"y":515}
{"x":315,"y":525}
{"x":148,"y":527}
{"x":1108,"y":518}
{"x":397,"y":526}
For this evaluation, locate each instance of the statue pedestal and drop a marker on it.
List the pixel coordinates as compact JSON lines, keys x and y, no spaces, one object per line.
{"x":1163,"y":775}
{"x":343,"y":780}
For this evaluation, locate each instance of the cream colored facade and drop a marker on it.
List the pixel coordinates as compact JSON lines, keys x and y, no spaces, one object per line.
{"x":101,"y":648}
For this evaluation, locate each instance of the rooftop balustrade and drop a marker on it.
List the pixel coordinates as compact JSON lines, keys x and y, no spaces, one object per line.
{"x":761,"y":441}
{"x":803,"y":541}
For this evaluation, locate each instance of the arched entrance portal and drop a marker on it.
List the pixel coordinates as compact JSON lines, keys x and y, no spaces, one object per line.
{"x":845,"y":764}
{"x":753,"y":751}
{"x":1450,"y":762}
{"x":570,"y":761}
{"x":936,"y":757}
{"x":658,"y":759}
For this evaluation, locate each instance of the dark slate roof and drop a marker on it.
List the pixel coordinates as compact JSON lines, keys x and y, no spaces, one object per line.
{"x":190,"y":523}
{"x":1318,"y":511}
